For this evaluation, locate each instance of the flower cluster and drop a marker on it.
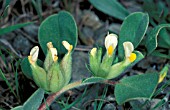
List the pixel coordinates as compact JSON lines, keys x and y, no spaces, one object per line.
{"x":53,"y":75}
{"x":105,"y":67}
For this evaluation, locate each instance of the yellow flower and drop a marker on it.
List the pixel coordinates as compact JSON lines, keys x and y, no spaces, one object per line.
{"x":67,"y":46}
{"x":111,"y":43}
{"x":53,"y":51}
{"x":129,"y":48}
{"x":93,"y":51}
{"x":33,"y":55}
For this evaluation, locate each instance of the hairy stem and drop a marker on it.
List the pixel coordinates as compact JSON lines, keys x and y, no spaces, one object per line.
{"x":53,"y":96}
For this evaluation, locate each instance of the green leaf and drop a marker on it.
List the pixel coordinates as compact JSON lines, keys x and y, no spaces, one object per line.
{"x":55,"y":29}
{"x":151,"y":39}
{"x":14,"y":27}
{"x":26,"y":68}
{"x":18,"y":108}
{"x":159,"y":54}
{"x":34,"y":101}
{"x":110,"y":7}
{"x":164,"y":39}
{"x":133,"y":29}
{"x":136,"y":87}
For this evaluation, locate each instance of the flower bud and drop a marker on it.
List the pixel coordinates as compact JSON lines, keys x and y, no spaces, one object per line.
{"x":163,"y":73}
{"x":93,"y":52}
{"x":95,"y":60}
{"x":39,"y":76}
{"x":33,"y":55}
{"x":67,"y":46}
{"x":51,"y":56}
{"x":162,"y":76}
{"x":110,"y":43}
{"x":129,"y":48}
{"x":105,"y":66}
{"x":66,"y":67}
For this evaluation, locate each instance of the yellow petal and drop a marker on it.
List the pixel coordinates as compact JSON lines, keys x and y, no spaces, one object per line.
{"x":49,"y":45}
{"x":128,"y":48}
{"x":67,"y":46}
{"x":55,"y":58}
{"x":54,"y":54}
{"x":71,"y":47}
{"x":53,"y":51}
{"x":33,"y":54}
{"x":93,"y":51}
{"x":161,"y":77}
{"x":132,"y":57}
{"x":30,"y":59}
{"x":110,"y":50}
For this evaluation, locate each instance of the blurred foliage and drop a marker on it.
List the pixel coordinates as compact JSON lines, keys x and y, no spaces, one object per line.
{"x":108,"y":6}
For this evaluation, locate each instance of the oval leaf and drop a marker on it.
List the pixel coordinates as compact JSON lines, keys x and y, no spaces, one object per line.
{"x":151,"y":39}
{"x":110,"y":7}
{"x":136,"y":87}
{"x":163,"y":39}
{"x":55,"y":29}
{"x":34,"y":101}
{"x":133,"y":29}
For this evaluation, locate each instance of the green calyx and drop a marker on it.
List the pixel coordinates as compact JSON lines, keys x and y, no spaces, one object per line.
{"x":98,"y":66}
{"x":39,"y":76}
{"x":105,"y":65}
{"x":66,"y":68}
{"x":117,"y":69}
{"x":95,"y":60}
{"x":55,"y":78}
{"x":48,"y":61}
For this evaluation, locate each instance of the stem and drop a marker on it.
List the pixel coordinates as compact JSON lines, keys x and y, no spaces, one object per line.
{"x":53,"y":96}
